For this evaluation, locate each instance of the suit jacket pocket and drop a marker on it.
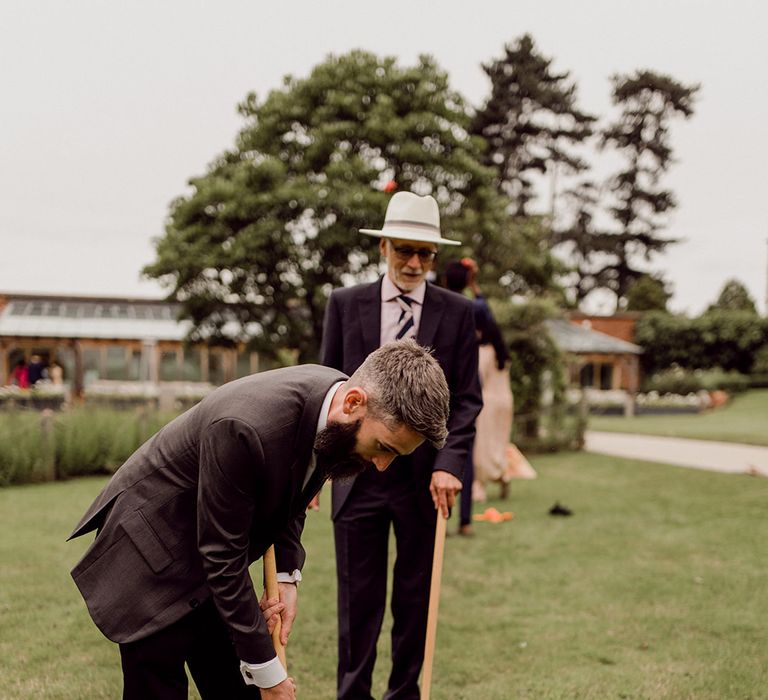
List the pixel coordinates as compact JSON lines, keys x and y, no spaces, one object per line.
{"x":145,"y":539}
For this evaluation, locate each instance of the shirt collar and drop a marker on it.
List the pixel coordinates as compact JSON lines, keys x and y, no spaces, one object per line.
{"x":389,"y":291}
{"x":322,"y":420}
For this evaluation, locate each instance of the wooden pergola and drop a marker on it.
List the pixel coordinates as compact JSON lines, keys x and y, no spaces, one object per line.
{"x":113,"y":338}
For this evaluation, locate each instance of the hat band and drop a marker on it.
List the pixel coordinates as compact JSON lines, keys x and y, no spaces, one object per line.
{"x":397,"y":223}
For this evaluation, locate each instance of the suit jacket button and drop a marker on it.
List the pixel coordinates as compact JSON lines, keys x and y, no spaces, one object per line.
{"x":194,"y":603}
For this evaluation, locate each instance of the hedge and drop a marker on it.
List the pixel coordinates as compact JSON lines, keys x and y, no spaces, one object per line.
{"x":45,"y":446}
{"x":729,"y":340}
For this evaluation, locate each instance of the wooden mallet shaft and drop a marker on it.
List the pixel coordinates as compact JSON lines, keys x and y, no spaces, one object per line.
{"x":270,"y":583}
{"x":434,"y":602}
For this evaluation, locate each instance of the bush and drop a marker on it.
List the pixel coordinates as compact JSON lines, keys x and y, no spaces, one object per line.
{"x":653,"y":402}
{"x":717,"y":380}
{"x":680,"y":381}
{"x":22,"y":451}
{"x":560,"y":427}
{"x":732,"y":340}
{"x":758,"y":381}
{"x":81,"y":441}
{"x":120,"y":402}
{"x":673,"y":381}
{"x":37,"y":398}
{"x":90,"y":441}
{"x":760,"y":362}
{"x":536,"y":365}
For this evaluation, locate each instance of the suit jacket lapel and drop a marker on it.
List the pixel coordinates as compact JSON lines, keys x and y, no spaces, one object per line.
{"x":431,"y":314}
{"x":313,"y":485}
{"x":369,"y":314}
{"x":305,"y":442}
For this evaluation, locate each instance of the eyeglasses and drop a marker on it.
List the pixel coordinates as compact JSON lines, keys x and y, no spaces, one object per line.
{"x":405,"y":253}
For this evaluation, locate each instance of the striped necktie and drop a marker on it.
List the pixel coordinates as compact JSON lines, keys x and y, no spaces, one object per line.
{"x":405,"y":322}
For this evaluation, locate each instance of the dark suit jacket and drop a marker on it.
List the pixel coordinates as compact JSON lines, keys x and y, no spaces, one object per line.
{"x":352,"y":331}
{"x":188,"y":512}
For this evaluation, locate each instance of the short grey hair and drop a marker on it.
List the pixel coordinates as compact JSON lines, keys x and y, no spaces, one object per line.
{"x":406,"y":385}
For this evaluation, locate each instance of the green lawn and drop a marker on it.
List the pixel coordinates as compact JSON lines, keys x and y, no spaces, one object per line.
{"x":655,"y":588}
{"x":744,"y":419}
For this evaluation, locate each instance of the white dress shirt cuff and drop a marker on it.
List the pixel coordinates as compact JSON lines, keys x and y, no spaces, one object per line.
{"x":264,"y":675}
{"x":293,"y":577}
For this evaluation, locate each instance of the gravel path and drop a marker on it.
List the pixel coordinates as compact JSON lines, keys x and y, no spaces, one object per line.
{"x":728,"y":457}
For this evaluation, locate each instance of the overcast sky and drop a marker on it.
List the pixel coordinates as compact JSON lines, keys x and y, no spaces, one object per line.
{"x":108,"y":108}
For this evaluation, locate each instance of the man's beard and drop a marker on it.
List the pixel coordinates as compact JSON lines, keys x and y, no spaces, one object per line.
{"x":335,"y":446}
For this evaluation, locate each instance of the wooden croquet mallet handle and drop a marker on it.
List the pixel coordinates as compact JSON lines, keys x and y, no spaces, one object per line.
{"x":434,"y":602}
{"x":270,"y":583}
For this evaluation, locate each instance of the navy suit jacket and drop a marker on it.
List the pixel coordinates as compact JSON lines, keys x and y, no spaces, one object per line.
{"x":352,"y":330}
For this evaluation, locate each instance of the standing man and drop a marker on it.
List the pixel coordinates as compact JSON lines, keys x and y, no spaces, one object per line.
{"x":180,"y":522}
{"x":359,"y":319}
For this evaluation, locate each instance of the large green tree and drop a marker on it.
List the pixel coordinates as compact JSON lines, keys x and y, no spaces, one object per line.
{"x":530,"y":121}
{"x":648,"y":101}
{"x":253,"y":250}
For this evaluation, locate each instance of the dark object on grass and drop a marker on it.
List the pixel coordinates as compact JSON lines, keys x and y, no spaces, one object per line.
{"x":557,"y":509}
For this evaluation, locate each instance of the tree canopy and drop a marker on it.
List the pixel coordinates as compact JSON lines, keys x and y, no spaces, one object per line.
{"x":254,"y":249}
{"x":734,"y":297}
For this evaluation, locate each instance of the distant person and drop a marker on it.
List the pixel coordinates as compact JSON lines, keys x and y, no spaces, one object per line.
{"x":56,"y":373}
{"x":180,"y":522}
{"x":494,"y":423}
{"x":37,"y":369}
{"x":20,"y":374}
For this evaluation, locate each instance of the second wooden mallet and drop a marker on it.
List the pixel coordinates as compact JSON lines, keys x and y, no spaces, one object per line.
{"x":434,"y":602}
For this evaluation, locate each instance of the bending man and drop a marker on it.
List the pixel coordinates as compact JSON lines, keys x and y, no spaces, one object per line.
{"x":180,"y":522}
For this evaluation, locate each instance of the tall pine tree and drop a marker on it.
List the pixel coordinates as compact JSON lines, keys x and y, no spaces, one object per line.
{"x":530,"y":121}
{"x":583,"y":245}
{"x":648,"y":102}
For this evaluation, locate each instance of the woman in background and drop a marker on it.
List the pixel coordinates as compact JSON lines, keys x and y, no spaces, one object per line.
{"x":20,"y":375}
{"x":488,"y":461}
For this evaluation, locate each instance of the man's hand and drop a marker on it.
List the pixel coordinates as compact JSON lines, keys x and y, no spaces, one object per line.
{"x":314,"y":504}
{"x":286,"y":607}
{"x":282,"y":691}
{"x":444,"y":487}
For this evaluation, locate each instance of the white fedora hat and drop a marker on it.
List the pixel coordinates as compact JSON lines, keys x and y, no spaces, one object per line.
{"x":411,"y":218}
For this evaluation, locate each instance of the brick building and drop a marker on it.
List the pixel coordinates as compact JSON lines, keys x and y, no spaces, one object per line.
{"x":596,"y":359}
